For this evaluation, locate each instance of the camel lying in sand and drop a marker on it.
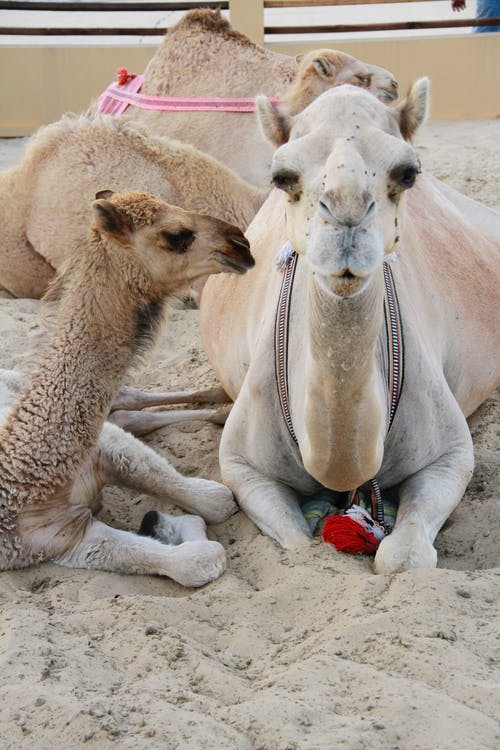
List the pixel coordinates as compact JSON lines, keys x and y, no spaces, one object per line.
{"x":45,"y":201}
{"x":203,"y":56}
{"x":343,"y":187}
{"x":56,"y":452}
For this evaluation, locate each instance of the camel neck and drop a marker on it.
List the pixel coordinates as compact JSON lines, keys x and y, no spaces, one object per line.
{"x":345,"y":398}
{"x":56,"y":422}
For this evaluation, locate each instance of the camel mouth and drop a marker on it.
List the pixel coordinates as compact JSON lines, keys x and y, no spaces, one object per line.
{"x":346,"y":283}
{"x":239,"y":264}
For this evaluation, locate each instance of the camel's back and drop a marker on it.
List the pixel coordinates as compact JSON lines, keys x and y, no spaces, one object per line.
{"x":203,"y":57}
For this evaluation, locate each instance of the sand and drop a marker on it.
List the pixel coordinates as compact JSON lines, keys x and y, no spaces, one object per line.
{"x":302,"y":650}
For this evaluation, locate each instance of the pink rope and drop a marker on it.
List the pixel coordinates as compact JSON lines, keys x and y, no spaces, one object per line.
{"x":118,"y":96}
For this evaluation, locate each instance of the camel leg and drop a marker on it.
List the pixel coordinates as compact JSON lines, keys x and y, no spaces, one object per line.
{"x":129,"y":398}
{"x":143,"y":422}
{"x":190,"y":563}
{"x":173,"y":529}
{"x":272,"y":505}
{"x":130,"y":463}
{"x":426,"y":500}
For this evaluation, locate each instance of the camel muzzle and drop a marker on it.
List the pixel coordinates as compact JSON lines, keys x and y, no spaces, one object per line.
{"x":237,"y":256}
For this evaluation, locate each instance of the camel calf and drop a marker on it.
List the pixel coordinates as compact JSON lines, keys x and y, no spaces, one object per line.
{"x":56,"y":452}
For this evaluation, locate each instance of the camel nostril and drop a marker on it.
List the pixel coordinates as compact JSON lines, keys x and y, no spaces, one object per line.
{"x":324,"y":208}
{"x":370,"y":210}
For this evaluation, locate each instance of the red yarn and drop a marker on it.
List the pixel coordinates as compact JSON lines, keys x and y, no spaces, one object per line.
{"x":347,"y":535}
{"x":123,"y":76}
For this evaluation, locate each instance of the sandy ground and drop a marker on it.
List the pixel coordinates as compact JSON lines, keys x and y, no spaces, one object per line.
{"x":303,"y":650}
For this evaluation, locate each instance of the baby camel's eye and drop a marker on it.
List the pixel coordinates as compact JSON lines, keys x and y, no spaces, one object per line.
{"x":179,"y":241}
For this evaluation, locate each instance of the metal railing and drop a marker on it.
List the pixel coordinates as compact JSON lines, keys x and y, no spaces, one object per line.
{"x":254,"y":10}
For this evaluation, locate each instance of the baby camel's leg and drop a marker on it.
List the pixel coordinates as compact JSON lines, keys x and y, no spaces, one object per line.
{"x":130,"y":463}
{"x":190,"y":563}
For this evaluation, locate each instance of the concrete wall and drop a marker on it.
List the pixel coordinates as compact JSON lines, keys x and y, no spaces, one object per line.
{"x":39,"y":84}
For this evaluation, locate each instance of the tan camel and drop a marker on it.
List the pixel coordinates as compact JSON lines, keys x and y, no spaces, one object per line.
{"x":344,"y":185}
{"x":45,"y":201}
{"x":55,"y":450}
{"x":203,"y":56}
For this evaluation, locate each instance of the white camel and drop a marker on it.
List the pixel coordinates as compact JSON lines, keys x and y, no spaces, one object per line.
{"x":345,"y":167}
{"x":56,"y":450}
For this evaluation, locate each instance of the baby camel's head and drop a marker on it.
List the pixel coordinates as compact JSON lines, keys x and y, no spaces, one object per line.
{"x":173,"y":247}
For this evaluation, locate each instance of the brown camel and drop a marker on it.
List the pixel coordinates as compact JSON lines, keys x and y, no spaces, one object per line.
{"x":343,"y":186}
{"x":203,"y":55}
{"x":55,"y":450}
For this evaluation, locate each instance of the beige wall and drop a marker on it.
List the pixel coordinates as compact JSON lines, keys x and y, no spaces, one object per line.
{"x":39,"y":84}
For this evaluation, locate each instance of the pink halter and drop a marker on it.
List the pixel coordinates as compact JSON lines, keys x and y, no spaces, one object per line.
{"x":118,"y":96}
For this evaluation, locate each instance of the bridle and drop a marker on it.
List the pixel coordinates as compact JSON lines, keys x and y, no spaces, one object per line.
{"x":126,"y":92}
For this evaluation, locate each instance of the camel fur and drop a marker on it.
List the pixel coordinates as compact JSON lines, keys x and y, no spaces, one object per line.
{"x":56,"y":451}
{"x":352,"y":192}
{"x":203,"y":55}
{"x":45,"y":201}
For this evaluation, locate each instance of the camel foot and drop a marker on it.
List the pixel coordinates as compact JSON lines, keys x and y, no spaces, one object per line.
{"x":193,"y":560}
{"x":405,"y":549}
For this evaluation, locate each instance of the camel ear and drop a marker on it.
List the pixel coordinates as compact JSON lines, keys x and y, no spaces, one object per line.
{"x":275,"y":126}
{"x":413,"y":110}
{"x":108,"y":219}
{"x":106,"y":194}
{"x":323,"y":67}
{"x":299,"y":58}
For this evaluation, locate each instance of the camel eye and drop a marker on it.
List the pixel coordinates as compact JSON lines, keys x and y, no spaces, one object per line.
{"x":179,"y":241}
{"x":364,"y":80}
{"x":404,"y":175}
{"x":408,"y":177}
{"x":285,"y":179}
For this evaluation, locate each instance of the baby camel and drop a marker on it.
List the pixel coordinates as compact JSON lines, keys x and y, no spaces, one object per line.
{"x":56,"y":452}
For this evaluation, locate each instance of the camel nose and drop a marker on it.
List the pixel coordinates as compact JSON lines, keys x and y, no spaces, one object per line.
{"x":347,"y":211}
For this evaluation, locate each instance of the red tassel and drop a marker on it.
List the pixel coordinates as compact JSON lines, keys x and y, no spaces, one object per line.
{"x":347,"y":535}
{"x":123,"y":76}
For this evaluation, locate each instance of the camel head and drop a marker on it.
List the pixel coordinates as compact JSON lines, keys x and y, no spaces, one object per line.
{"x":172,"y":247}
{"x":345,"y":164}
{"x":323,"y":69}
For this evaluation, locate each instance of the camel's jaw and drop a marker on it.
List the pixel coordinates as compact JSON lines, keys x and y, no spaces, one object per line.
{"x":236,"y":257}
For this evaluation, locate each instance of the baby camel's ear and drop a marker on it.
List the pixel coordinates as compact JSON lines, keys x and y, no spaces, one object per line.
{"x":413,"y":110}
{"x":109,"y":219}
{"x":275,"y":126}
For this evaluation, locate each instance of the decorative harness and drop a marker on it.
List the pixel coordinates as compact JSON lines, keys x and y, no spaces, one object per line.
{"x":395,"y":353}
{"x":125,"y":92}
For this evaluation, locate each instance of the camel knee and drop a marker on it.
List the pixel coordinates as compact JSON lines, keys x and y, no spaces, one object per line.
{"x":50,"y":533}
{"x":406,"y":548}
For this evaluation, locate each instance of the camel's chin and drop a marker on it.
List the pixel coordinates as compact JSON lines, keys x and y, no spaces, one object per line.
{"x":346,"y":285}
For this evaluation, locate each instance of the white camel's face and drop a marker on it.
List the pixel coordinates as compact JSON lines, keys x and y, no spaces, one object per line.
{"x":345,"y":168}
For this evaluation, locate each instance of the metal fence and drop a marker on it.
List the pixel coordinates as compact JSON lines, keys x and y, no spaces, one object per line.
{"x":246,"y":15}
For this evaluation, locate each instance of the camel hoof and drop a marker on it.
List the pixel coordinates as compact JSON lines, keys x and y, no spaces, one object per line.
{"x":195,"y":564}
{"x":405,"y":550}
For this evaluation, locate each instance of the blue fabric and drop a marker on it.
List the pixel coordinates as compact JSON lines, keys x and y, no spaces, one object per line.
{"x":487,"y":9}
